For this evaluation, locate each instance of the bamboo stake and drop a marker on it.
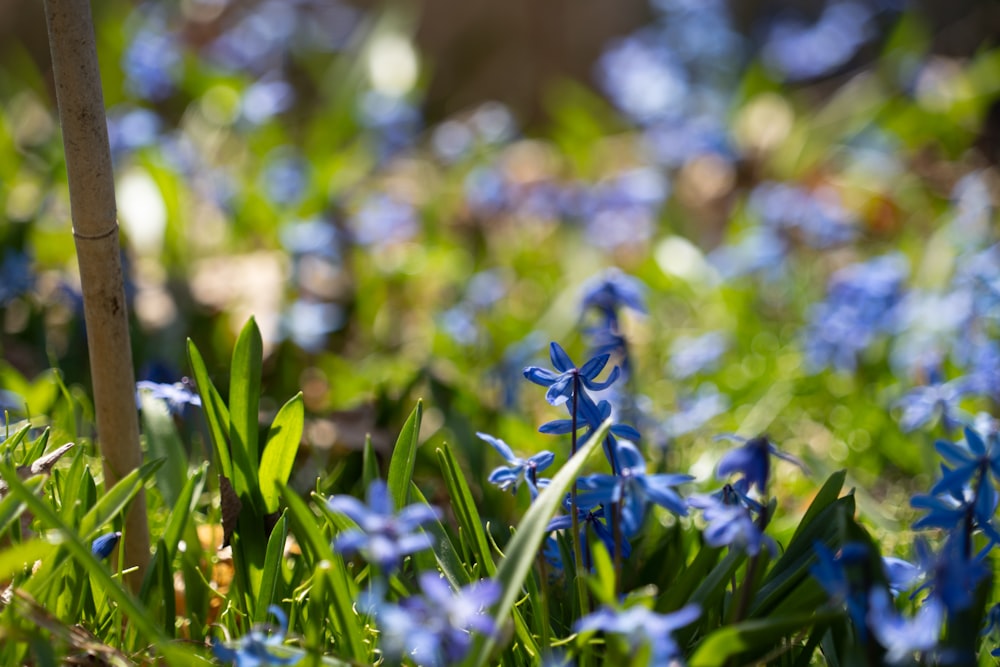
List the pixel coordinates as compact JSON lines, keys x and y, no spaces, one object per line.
{"x":95,"y":231}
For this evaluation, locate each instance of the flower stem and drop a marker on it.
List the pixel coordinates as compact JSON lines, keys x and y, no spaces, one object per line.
{"x":581,"y":585}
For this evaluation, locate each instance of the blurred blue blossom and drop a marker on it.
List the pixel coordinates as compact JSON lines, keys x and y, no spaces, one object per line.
{"x":862,"y":302}
{"x":509,"y":476}
{"x":176,"y":395}
{"x":285,"y":176}
{"x":308,"y":323}
{"x":901,"y":636}
{"x":757,"y":250}
{"x":105,"y":544}
{"x":817,"y":217}
{"x":256,"y":648}
{"x":675,"y":143}
{"x":487,"y":192}
{"x":951,"y":574}
{"x":612,"y":291}
{"x":394,"y":121}
{"x":494,"y":123}
{"x":384,"y":536}
{"x":730,"y":525}
{"x":383,"y":220}
{"x":975,"y":460}
{"x":257,"y":38}
{"x":643,"y":78}
{"x":452,"y":140}
{"x":972,"y":208}
{"x":640,"y":626}
{"x":845,"y":577}
{"x":437,"y":628}
{"x":752,"y":458}
{"x":315,"y":236}
{"x":690,"y":356}
{"x":622,"y":210}
{"x":131,"y":128}
{"x":695,"y":410}
{"x":265,"y":99}
{"x":901,"y":575}
{"x":16,"y":275}
{"x":593,"y":520}
{"x":152,"y":60}
{"x":925,"y":405}
{"x":796,"y":50}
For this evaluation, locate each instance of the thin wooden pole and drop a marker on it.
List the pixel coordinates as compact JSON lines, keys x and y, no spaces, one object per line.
{"x":95,"y":231}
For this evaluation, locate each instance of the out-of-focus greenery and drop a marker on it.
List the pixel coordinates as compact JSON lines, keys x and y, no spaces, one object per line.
{"x":815,"y":228}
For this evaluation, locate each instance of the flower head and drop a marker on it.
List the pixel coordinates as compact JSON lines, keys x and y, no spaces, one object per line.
{"x":640,"y":626}
{"x":177,"y":395}
{"x":105,"y":544}
{"x":508,"y":477}
{"x":561,"y":383}
{"x":255,"y":649}
{"x":383,"y":536}
{"x":753,"y":459}
{"x":730,"y":524}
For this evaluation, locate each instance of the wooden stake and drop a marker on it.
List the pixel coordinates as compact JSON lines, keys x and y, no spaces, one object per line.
{"x":95,"y":231}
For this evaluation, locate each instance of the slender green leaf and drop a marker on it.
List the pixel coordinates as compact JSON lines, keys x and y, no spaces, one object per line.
{"x":342,"y":587}
{"x":11,"y":508}
{"x":18,"y":557}
{"x":244,"y":406}
{"x":522,"y":549}
{"x":80,"y":550}
{"x":448,"y":557}
{"x":114,"y":500}
{"x":279,"y":453}
{"x":215,"y":410}
{"x":369,"y":463}
{"x":824,"y":497}
{"x":163,"y":442}
{"x":404,"y":455}
{"x":755,"y":635}
{"x":272,"y":569}
{"x":464,"y":506}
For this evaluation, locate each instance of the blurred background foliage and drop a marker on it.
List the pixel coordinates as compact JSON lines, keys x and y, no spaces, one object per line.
{"x":411,"y":199}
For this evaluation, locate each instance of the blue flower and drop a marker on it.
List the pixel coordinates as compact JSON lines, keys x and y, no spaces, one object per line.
{"x":595,"y":520}
{"x":831,"y":572}
{"x":105,"y":544}
{"x":690,"y":356}
{"x":924,"y":405}
{"x":613,"y":290}
{"x":592,"y":415}
{"x":959,"y":511}
{"x":177,"y":395}
{"x":16,"y":276}
{"x":753,"y":459}
{"x":695,"y":410}
{"x":384,"y":536}
{"x":973,"y":463}
{"x":901,"y":636}
{"x":508,"y":477}
{"x":562,"y":383}
{"x":255,"y":649}
{"x":436,"y":628}
{"x":633,"y":489}
{"x":952,"y":574}
{"x":730,"y":525}
{"x":642,"y":626}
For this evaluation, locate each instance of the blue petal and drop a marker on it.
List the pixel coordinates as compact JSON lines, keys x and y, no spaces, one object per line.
{"x":502,"y":447}
{"x":560,"y":360}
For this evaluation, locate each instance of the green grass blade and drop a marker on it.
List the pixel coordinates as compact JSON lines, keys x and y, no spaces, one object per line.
{"x":272,"y":569}
{"x":214,"y":408}
{"x":279,"y":453}
{"x":11,"y":508}
{"x":448,"y":557}
{"x":163,"y":442}
{"x":404,"y":455}
{"x":305,"y":527}
{"x":464,"y":505}
{"x":755,"y":635}
{"x":826,"y":495}
{"x":369,"y":463}
{"x":18,"y":557}
{"x":523,"y":547}
{"x":244,"y":406}
{"x":114,"y":500}
{"x":80,"y":550}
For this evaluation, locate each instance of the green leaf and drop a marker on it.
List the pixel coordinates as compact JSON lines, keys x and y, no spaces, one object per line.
{"x":369,"y":463}
{"x":163,"y":442}
{"x":404,"y":455}
{"x":279,"y":454}
{"x":272,"y":569}
{"x":602,"y":582}
{"x":114,"y":500}
{"x":11,"y":508}
{"x":755,"y":635}
{"x":138,"y":617}
{"x":523,"y":548}
{"x":342,"y":586}
{"x":244,"y":406}
{"x":464,"y":506}
{"x":215,"y":410}
{"x":16,"y":558}
{"x":826,"y":495}
{"x":448,"y":557}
